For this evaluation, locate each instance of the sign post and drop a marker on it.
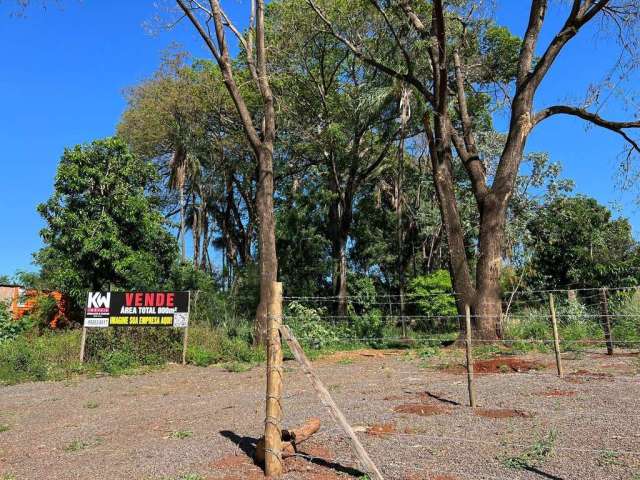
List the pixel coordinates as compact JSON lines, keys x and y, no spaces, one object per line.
{"x":83,"y":342}
{"x":137,"y":309}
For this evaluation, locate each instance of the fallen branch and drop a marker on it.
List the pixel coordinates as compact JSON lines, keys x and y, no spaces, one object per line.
{"x":290,"y":439}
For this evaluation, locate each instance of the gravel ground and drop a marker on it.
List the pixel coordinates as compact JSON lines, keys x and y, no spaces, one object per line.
{"x":201,"y":421}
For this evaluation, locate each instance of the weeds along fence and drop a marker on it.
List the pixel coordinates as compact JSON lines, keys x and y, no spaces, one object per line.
{"x":591,"y":317}
{"x":221,"y":330}
{"x":569,"y":322}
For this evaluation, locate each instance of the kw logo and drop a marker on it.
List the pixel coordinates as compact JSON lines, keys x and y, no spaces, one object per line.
{"x":98,"y":300}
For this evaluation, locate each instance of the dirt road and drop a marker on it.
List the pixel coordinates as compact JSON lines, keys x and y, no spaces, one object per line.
{"x":199,"y":423}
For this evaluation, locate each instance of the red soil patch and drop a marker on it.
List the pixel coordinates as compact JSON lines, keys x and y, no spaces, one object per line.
{"x":241,"y":467}
{"x":306,"y":470}
{"x":422,"y":409}
{"x":316,"y":451}
{"x":506,"y":365}
{"x":580,"y":376}
{"x":501,"y":413}
{"x":238,"y":467}
{"x":379,"y":430}
{"x":557,"y":393}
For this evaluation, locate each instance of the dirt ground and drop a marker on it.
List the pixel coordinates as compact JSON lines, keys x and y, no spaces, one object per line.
{"x":411,"y":415}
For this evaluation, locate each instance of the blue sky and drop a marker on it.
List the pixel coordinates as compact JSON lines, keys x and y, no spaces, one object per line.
{"x":65,"y":68}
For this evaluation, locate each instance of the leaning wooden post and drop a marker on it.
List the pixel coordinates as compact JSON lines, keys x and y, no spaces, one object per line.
{"x":325,"y":397}
{"x":606,"y":320}
{"x":472,"y":392}
{"x":273,"y":420}
{"x":83,"y":342}
{"x":556,"y":338}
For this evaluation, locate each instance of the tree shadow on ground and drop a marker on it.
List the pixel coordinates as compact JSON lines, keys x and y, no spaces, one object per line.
{"x":541,"y":473}
{"x":442,"y":399}
{"x":246,"y":444}
{"x":248,"y":447}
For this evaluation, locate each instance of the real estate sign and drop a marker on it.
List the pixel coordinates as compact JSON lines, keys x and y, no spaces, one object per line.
{"x":137,"y":309}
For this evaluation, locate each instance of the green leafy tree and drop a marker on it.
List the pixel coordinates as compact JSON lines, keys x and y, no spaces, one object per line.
{"x":430,"y":293}
{"x":577,"y":244}
{"x":103,"y":227}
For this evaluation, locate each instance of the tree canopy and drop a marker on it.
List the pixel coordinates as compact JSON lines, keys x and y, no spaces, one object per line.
{"x":103,"y":228}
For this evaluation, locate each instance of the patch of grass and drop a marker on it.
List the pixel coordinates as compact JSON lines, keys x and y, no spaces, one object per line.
{"x":238,"y":367}
{"x":181,"y":434}
{"x":485,"y":352}
{"x":118,"y":362}
{"x":428,"y":352}
{"x":534,"y":455}
{"x":609,"y":457}
{"x":345,"y":361}
{"x":201,"y":357}
{"x":91,"y":404}
{"x":76,"y":446}
{"x":4,"y":428}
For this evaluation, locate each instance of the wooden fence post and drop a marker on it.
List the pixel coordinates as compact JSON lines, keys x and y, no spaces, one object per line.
{"x":83,"y":342}
{"x":606,"y":320}
{"x":327,"y":401}
{"x":472,"y":392}
{"x":556,"y":338}
{"x":272,"y":424}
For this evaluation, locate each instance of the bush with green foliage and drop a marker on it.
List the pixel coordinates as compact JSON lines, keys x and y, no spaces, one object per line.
{"x":625,"y":309}
{"x":431,"y":294}
{"x":45,"y":310}
{"x":310,"y":328}
{"x":10,"y":328}
{"x":103,"y":224}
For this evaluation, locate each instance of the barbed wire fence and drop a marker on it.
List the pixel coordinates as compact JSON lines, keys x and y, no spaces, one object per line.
{"x":604,"y":320}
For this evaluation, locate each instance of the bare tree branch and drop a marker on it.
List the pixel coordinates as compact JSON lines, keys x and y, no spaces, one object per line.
{"x":617,"y":127}
{"x":367,"y":59}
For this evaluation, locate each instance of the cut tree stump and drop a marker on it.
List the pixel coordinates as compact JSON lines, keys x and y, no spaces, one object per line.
{"x":290,"y":439}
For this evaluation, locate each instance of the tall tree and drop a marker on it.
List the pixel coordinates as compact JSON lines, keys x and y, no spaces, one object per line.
{"x":467,"y":54}
{"x":260,"y":138}
{"x":576,"y":244}
{"x":184,"y":108}
{"x":103,"y":224}
{"x":339,"y":113}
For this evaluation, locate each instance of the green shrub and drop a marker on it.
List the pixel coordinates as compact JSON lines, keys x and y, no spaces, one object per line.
{"x":369,"y":328}
{"x":431,"y":296}
{"x":626,"y":319}
{"x":118,"y":361}
{"x":362,"y":293}
{"x":44,"y":311}
{"x":10,"y":328}
{"x":201,"y":357}
{"x":309,"y":327}
{"x":19,"y":362}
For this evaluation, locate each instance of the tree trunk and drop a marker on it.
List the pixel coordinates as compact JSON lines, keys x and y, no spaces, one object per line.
{"x":487,"y":307}
{"x":340,"y":276}
{"x":204,"y":259}
{"x":195,"y":232}
{"x":441,"y":164}
{"x":266,"y":240}
{"x":182,"y":224}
